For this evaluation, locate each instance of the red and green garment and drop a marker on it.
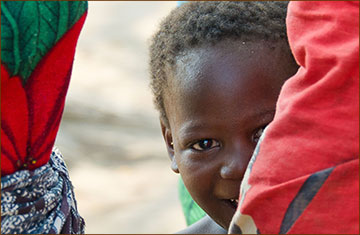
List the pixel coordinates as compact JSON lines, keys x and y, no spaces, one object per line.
{"x":38,"y":40}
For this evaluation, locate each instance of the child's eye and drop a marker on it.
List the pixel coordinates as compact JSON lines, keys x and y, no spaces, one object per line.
{"x":205,"y":144}
{"x":257,"y":134}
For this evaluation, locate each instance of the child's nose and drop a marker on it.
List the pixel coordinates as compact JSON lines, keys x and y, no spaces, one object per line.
{"x":235,"y":163}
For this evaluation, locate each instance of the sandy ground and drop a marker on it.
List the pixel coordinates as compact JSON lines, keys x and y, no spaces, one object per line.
{"x":109,"y":135}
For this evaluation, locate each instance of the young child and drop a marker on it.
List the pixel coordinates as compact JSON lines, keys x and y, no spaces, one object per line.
{"x":216,"y":72}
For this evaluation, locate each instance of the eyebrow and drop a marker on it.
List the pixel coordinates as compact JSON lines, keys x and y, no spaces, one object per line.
{"x":194,"y":126}
{"x":189,"y":127}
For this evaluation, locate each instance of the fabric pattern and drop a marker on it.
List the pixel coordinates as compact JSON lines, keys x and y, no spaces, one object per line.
{"x":303,"y":177}
{"x":29,"y":29}
{"x":38,"y":41}
{"x":40,"y":201}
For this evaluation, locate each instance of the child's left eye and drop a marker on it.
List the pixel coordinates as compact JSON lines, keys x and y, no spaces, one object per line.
{"x":205,"y":144}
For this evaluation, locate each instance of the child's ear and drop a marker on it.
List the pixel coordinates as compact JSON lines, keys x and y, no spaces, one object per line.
{"x":166,"y":132}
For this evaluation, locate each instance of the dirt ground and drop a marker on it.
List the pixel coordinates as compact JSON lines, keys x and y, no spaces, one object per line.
{"x":110,"y":135}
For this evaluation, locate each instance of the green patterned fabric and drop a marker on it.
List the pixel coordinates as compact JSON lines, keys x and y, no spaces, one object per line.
{"x":39,"y":34}
{"x":192,"y":211}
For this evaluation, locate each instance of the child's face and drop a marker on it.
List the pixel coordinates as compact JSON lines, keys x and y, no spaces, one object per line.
{"x":218,"y":102}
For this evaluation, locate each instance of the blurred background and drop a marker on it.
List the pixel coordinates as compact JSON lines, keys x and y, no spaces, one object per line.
{"x":109,"y":135}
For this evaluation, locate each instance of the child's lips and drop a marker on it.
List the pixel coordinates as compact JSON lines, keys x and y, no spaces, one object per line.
{"x":235,"y":202}
{"x":232,"y":202}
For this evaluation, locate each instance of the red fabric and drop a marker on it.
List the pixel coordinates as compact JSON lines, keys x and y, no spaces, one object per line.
{"x":31,"y":113}
{"x":335,"y":208}
{"x":316,"y":127}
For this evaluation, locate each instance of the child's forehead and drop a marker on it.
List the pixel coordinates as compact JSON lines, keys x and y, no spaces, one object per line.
{"x":192,"y":62}
{"x":231,"y":62}
{"x":225,"y":47}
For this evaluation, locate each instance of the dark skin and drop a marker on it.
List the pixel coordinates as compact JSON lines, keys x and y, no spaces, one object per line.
{"x":219,"y":100}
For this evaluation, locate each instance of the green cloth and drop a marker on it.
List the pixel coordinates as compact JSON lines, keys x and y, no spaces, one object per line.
{"x":191,"y":209}
{"x":29,"y":29}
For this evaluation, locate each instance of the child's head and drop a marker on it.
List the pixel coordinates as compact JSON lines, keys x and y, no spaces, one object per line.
{"x":216,"y":73}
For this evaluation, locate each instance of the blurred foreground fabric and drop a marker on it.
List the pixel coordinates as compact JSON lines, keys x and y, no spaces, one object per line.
{"x":40,"y":201}
{"x":304,"y":174}
{"x":38,"y":41}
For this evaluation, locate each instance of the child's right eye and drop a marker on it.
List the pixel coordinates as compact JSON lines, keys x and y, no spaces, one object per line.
{"x":205,"y":144}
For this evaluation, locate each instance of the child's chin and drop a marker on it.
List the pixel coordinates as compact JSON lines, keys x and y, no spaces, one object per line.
{"x":228,"y":209}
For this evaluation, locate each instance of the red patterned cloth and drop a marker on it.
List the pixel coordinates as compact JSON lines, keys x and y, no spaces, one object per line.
{"x":38,"y":40}
{"x":304,"y":174}
{"x":31,"y":107}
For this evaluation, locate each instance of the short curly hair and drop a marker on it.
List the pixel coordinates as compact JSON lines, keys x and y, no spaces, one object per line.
{"x":194,"y":24}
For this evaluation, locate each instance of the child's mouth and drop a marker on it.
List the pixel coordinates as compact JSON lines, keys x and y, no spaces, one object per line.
{"x":233,"y":202}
